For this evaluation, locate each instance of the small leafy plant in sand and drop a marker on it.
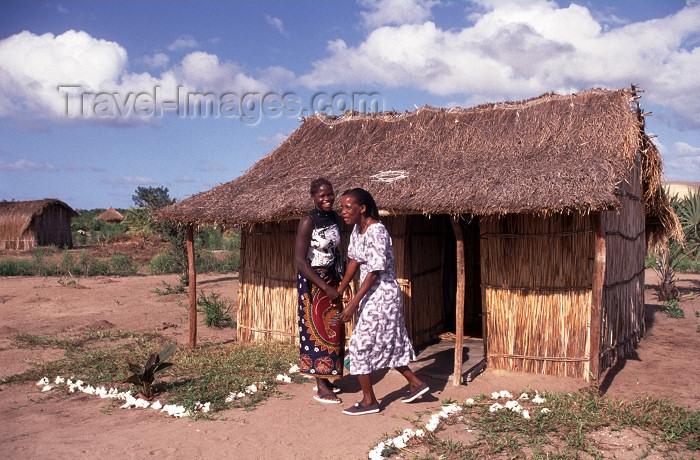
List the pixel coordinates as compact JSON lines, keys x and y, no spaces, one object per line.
{"x":144,"y":376}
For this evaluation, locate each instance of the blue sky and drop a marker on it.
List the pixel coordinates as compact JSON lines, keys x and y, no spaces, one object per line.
{"x":99,"y":98}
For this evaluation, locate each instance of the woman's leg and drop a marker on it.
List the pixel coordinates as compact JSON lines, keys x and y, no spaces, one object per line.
{"x":368,"y":398}
{"x":413,"y":381}
{"x":324,"y":390}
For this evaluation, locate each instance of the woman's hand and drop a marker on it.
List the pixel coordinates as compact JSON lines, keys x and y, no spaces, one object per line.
{"x":345,"y":315}
{"x":347,"y":294}
{"x":331,"y":292}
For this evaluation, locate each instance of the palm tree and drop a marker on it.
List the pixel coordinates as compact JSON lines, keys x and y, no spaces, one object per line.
{"x":668,"y":258}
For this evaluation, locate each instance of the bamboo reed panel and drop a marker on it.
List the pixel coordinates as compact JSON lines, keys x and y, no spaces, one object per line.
{"x":536,"y":278}
{"x":623,"y":295}
{"x":538,"y":333}
{"x":267,"y":300}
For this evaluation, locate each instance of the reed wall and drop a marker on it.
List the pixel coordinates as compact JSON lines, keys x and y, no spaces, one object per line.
{"x":536,"y":287}
{"x":267,"y":300}
{"x":622,"y":310}
{"x":50,"y":227}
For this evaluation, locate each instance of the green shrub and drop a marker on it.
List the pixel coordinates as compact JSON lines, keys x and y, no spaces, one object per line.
{"x":165,"y":263}
{"x":217,"y":311}
{"x":121,"y":265}
{"x":16,"y":268}
{"x":673,"y":309}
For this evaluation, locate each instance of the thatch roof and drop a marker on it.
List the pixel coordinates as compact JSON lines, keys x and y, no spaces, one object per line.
{"x":111,"y":215}
{"x":544,"y":155}
{"x":16,"y":216}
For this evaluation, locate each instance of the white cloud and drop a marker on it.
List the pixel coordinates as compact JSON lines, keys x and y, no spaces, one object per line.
{"x":681,"y":163}
{"x":274,"y":140}
{"x":391,"y":12}
{"x":184,"y":179}
{"x":183,"y":42}
{"x":33,"y":66}
{"x":521,"y":49}
{"x":129,"y":180}
{"x":156,"y":61}
{"x":74,"y":77}
{"x":276,"y":23}
{"x":214,"y":167}
{"x":26,"y":165}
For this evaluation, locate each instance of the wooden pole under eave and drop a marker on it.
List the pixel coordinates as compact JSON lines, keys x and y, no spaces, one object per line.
{"x":597,"y":297}
{"x":192,"y":275}
{"x":459,"y":303}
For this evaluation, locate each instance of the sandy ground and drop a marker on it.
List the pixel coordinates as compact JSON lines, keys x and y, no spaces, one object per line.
{"x":61,"y":425}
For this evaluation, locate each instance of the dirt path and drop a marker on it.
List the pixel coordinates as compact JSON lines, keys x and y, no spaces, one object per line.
{"x":36,"y":424}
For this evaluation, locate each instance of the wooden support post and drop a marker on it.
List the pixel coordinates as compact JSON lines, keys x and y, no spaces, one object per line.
{"x":597,"y":297}
{"x":459,"y":302}
{"x":192,"y":275}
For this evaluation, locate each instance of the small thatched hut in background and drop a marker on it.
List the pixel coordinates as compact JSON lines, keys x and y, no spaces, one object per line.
{"x":27,"y":224}
{"x":526,"y":223}
{"x":111,"y":215}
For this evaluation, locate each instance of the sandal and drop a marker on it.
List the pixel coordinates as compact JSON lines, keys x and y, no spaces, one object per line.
{"x":328,"y":398}
{"x":359,"y":409}
{"x":335,"y":389}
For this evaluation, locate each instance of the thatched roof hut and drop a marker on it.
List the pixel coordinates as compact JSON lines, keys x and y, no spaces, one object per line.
{"x":537,"y":213}
{"x":27,"y":224}
{"x":111,"y":215}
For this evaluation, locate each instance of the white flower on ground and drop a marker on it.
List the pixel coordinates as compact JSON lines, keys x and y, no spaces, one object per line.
{"x":505,"y":394}
{"x":174,"y":410}
{"x":89,"y":390}
{"x":432,"y":425}
{"x":157,"y":405}
{"x":47,"y":388}
{"x":252,"y":388}
{"x":545,"y":410}
{"x":495,"y":395}
{"x":376,"y":454}
{"x":420,"y":433}
{"x":524,"y":397}
{"x":43,"y":381}
{"x":469,"y":401}
{"x":198,"y":406}
{"x":494,"y":407}
{"x":294,"y":369}
{"x":526,"y":415}
{"x":59,"y":380}
{"x":538,"y":399}
{"x":399,"y":442}
{"x":514,"y":406}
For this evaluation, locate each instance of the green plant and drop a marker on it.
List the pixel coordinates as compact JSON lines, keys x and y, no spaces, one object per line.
{"x":669,"y":258}
{"x":217,"y":311}
{"x":168,"y":289}
{"x":144,"y":376}
{"x":122,"y":265}
{"x":673,"y":309}
{"x":165,"y":262}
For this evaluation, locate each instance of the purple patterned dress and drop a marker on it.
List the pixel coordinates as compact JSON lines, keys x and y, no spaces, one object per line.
{"x":379,"y":339}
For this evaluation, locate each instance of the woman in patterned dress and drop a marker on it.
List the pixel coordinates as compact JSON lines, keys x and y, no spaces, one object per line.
{"x":317,"y":252}
{"x":379,"y":339}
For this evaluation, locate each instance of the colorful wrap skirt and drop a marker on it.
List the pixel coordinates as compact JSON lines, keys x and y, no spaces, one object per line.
{"x":321,"y":346}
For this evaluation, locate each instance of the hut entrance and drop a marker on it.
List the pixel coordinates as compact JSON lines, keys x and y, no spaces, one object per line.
{"x":472,"y":321}
{"x":432,"y":296}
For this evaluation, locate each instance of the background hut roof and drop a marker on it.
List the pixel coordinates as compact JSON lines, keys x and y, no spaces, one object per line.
{"x":111,"y":215}
{"x":544,"y":155}
{"x":16,"y":216}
